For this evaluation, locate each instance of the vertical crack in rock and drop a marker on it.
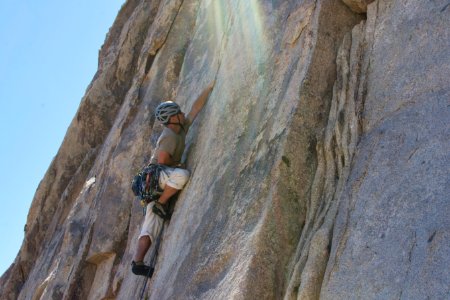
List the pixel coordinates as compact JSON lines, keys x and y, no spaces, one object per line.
{"x":392,"y":190}
{"x":365,"y":44}
{"x":149,"y":62}
{"x":163,"y":24}
{"x":334,"y":156}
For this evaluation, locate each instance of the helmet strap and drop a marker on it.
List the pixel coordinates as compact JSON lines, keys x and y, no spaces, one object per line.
{"x":179,"y":123}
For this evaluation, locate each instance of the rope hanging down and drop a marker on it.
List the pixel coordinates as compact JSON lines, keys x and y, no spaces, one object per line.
{"x":153,"y":259}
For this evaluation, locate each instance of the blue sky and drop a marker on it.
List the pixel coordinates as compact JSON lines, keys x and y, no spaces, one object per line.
{"x":48,"y":56}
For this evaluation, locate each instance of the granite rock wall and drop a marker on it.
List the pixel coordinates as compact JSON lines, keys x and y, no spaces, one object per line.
{"x":319,"y":164}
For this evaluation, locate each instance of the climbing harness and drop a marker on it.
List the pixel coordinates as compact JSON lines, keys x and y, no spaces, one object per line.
{"x":153,"y":260}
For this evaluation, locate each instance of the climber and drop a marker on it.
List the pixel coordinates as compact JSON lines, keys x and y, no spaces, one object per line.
{"x":173,"y":177}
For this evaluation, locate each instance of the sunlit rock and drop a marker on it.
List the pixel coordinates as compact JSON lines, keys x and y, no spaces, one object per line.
{"x":319,"y":164}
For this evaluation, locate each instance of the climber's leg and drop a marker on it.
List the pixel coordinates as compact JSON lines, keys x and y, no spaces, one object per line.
{"x":144,"y":244}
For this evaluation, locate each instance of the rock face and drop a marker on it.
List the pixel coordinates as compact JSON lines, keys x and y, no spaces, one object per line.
{"x":393,"y":225}
{"x":319,"y":164}
{"x":358,"y":6}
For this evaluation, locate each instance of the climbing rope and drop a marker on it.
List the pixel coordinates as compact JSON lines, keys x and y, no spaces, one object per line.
{"x":153,"y":260}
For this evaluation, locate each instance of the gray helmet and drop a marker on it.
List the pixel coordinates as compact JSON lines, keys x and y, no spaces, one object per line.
{"x":165,"y":110}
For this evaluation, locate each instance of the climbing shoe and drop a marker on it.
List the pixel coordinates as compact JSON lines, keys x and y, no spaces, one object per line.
{"x":138,"y":268}
{"x":161,"y":210}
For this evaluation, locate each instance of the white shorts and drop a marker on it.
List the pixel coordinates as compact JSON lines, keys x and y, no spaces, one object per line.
{"x":173,"y":177}
{"x":152,"y":224}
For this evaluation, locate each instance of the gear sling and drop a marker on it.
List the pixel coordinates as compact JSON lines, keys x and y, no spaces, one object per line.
{"x":145,"y":184}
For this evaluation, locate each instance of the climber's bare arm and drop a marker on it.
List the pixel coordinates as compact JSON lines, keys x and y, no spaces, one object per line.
{"x":199,"y":103}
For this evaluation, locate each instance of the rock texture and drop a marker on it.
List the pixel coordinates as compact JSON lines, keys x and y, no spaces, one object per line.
{"x":392,"y":228}
{"x":319,"y":164}
{"x":358,"y":6}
